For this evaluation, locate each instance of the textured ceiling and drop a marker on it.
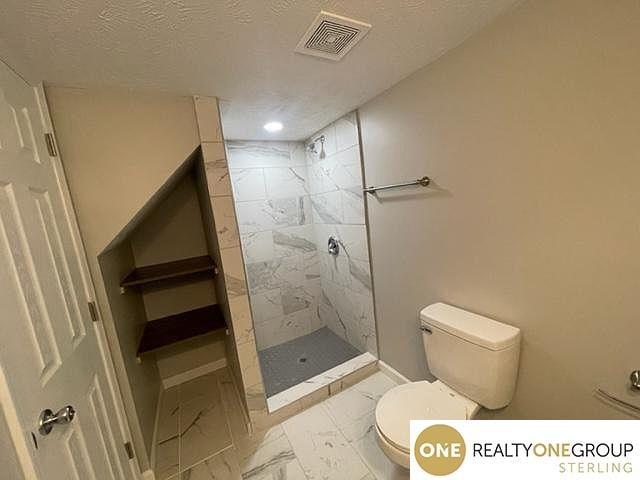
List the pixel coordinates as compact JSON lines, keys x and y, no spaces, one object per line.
{"x":238,"y":50}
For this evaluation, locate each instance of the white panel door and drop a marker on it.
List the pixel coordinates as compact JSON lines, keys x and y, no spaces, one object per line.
{"x":50,"y":351}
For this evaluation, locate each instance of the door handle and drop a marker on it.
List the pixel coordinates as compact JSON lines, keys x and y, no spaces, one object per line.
{"x":48,"y":419}
{"x":634,"y":378}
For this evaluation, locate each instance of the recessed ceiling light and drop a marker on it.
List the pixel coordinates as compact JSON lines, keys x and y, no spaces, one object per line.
{"x":273,"y":127}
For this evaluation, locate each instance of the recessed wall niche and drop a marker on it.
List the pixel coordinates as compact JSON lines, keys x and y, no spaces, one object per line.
{"x":161,"y":278}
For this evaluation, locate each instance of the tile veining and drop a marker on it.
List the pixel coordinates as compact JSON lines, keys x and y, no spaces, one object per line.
{"x":289,"y":200}
{"x":335,"y":439}
{"x":275,"y":222}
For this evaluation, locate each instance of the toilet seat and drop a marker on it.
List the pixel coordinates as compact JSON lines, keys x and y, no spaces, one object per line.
{"x":417,"y":401}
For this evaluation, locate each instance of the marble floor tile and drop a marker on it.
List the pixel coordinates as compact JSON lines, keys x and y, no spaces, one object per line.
{"x":168,"y":414}
{"x":334,"y":439}
{"x":223,"y":466}
{"x":232,"y":406}
{"x":272,"y":457}
{"x":361,"y":434}
{"x":167,"y":458}
{"x":360,"y":399}
{"x":321,"y":448}
{"x":249,"y":445}
{"x":205,"y":386}
{"x":204,"y":430}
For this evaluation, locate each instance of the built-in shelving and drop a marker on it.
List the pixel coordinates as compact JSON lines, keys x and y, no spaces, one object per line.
{"x":176,"y":328}
{"x":170,"y":270}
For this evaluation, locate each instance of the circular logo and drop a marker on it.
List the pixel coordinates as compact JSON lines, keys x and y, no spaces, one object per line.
{"x":439,"y":450}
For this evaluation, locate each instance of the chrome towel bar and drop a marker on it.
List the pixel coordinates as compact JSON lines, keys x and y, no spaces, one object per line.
{"x":616,"y":402}
{"x":423,"y":182}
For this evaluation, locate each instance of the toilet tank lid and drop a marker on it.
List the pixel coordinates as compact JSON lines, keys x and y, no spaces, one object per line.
{"x":472,"y":327}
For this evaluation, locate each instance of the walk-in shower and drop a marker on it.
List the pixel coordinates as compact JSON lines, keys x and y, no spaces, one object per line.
{"x":300,"y":212}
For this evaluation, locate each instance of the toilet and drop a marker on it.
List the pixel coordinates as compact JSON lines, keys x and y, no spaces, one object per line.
{"x":475,"y":360}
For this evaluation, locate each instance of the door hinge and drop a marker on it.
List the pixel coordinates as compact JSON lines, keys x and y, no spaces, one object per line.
{"x":51,"y":144}
{"x":93,"y":310}
{"x":129,"y":448}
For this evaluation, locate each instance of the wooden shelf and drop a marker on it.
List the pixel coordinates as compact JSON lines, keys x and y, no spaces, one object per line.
{"x":182,"y":326}
{"x":169,"y":270}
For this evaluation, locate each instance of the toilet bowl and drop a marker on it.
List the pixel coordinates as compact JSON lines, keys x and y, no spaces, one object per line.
{"x":475,"y":360}
{"x":416,"y":400}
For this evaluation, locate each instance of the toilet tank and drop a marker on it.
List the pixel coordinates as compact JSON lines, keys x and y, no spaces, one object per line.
{"x":475,"y":355}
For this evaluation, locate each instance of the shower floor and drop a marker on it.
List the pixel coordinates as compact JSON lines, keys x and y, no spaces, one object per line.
{"x":293,"y":362}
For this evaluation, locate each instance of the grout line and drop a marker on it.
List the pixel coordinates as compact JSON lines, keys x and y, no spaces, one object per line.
{"x":349,"y":442}
{"x":286,"y":435}
{"x":153,"y":460}
{"x":179,"y":430}
{"x":181,"y":467}
{"x":336,"y":427}
{"x":236,"y":395}
{"x":200,"y":462}
{"x":225,"y":409}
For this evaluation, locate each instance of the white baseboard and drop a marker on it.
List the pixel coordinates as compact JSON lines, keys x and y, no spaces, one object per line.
{"x":393,"y":373}
{"x":194,"y":373}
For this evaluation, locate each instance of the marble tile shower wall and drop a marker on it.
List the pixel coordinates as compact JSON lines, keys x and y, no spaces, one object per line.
{"x":289,"y":201}
{"x":335,"y":186}
{"x":242,"y":350}
{"x":273,"y":205}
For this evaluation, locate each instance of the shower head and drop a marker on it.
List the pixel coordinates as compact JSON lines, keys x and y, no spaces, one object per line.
{"x":312,"y":146}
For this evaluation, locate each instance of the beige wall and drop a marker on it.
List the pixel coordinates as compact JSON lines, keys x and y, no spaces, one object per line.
{"x":118,"y":148}
{"x":530,"y":131}
{"x":129,"y":319}
{"x":173,"y":230}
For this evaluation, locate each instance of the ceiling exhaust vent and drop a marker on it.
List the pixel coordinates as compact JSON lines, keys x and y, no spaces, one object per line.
{"x":331,"y":36}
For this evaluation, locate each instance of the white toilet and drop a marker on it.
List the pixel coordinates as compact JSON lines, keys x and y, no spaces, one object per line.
{"x":476,"y":362}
